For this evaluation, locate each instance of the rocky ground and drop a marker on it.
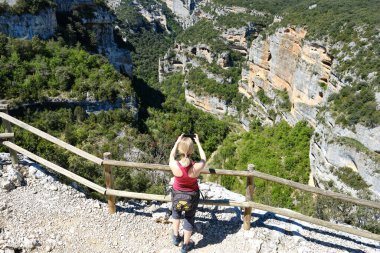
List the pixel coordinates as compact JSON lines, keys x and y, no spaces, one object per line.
{"x":41,"y":214}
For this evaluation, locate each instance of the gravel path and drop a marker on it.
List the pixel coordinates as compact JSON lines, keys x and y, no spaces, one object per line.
{"x":43,"y":215}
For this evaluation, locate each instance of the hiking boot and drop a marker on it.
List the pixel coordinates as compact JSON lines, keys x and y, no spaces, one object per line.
{"x":176,"y":239}
{"x":187,"y":247}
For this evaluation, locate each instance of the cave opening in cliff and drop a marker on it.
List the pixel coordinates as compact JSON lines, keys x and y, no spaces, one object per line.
{"x":269,"y":56}
{"x":327,"y":62}
{"x":194,"y":51}
{"x":321,"y":94}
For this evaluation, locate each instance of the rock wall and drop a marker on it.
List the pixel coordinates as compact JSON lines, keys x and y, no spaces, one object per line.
{"x":180,"y":57}
{"x":210,"y":104}
{"x":154,"y":16}
{"x":183,"y":10}
{"x":103,"y":25}
{"x":329,"y":153}
{"x":26,"y":26}
{"x":305,"y":70}
{"x":285,"y":61}
{"x":45,"y":23}
{"x":238,"y":37}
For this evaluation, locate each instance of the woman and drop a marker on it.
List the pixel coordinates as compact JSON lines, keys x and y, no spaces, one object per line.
{"x":185,"y":196}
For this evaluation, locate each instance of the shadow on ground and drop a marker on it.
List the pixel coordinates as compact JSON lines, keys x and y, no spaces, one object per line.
{"x":262,"y":218}
{"x":219,"y":229}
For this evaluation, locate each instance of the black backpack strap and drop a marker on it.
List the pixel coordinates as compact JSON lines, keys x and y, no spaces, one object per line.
{"x":203,"y":196}
{"x":169,"y":190}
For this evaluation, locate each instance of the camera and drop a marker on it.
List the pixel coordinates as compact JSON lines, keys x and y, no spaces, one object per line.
{"x":192,"y":136}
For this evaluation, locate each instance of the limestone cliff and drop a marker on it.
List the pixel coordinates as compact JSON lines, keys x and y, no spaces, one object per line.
{"x":333,"y":148}
{"x":101,"y":22}
{"x":44,"y":25}
{"x":155,"y":16}
{"x":210,"y":104}
{"x":184,"y":10}
{"x":182,"y":57}
{"x":285,"y":61}
{"x":26,"y":26}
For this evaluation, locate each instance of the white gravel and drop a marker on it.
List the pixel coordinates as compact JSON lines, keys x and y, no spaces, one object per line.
{"x":44,"y":215}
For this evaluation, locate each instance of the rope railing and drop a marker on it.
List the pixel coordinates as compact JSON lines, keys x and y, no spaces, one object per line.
{"x":7,"y":139}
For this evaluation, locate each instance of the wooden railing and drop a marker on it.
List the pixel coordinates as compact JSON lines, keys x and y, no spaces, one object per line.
{"x":7,"y":139}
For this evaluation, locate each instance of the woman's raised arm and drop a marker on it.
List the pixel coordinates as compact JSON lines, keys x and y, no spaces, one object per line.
{"x":202,"y":163}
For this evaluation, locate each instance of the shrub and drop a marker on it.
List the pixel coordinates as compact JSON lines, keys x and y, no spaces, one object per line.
{"x":351,"y":178}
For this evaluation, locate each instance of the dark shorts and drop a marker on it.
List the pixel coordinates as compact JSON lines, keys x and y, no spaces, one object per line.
{"x":189,"y":217}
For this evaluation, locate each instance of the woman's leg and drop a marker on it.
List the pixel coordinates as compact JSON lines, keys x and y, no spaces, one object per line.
{"x":176,"y":223}
{"x":186,"y":236}
{"x":189,"y":222}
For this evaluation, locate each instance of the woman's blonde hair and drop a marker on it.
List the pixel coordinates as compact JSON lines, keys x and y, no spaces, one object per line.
{"x":185,"y":149}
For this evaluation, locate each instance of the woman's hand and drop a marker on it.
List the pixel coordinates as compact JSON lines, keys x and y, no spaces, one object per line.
{"x":196,"y":138}
{"x":179,"y":138}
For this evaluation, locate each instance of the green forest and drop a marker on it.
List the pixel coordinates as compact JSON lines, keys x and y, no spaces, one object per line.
{"x":280,"y":150}
{"x":36,"y":70}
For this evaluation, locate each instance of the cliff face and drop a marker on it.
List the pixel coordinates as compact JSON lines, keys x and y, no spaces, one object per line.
{"x":284,"y":61}
{"x":210,"y":104}
{"x":333,"y":147}
{"x":26,"y":26}
{"x":45,"y":24}
{"x":102,"y":23}
{"x":183,"y":10}
{"x":181,"y":57}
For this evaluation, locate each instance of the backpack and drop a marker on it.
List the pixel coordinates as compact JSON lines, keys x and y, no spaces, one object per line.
{"x":185,"y":201}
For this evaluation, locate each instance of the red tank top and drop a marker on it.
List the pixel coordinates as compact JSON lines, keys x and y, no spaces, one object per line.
{"x":185,"y":183}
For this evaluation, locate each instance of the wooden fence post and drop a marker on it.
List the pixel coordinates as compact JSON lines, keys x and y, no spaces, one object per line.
{"x":109,"y":183}
{"x":8,"y":129}
{"x":249,"y":197}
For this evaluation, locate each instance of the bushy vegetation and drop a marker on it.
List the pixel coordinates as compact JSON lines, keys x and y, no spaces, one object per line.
{"x":237,"y":20}
{"x":341,"y":211}
{"x":350,"y":178}
{"x":356,"y":104}
{"x":176,"y":117}
{"x":200,"y":84}
{"x":146,"y":44}
{"x":271,"y":6}
{"x":143,"y":140}
{"x":285,"y":103}
{"x":34,"y":70}
{"x":264,"y":98}
{"x":74,"y":32}
{"x":26,"y":6}
{"x":203,"y":32}
{"x":280,"y":151}
{"x":110,"y":131}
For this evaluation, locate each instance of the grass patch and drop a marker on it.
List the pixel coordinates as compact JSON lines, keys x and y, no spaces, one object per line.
{"x":350,"y":178}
